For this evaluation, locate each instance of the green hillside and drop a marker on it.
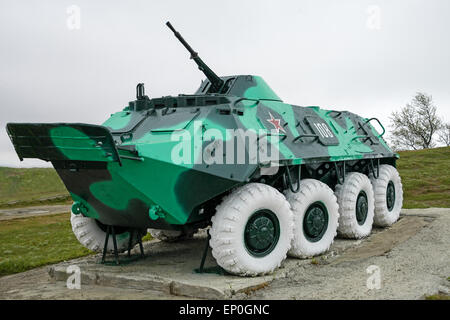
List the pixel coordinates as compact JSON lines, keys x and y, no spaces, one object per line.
{"x":425,"y":176}
{"x":30,"y":186}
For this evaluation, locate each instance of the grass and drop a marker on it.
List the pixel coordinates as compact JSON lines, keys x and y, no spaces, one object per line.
{"x":31,"y":186}
{"x":36,"y":241}
{"x":426,"y":178}
{"x":438,"y":296}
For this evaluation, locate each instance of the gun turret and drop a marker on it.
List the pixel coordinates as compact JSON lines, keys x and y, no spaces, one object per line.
{"x":216,"y":82}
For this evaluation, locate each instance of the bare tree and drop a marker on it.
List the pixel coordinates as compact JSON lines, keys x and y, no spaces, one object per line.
{"x":415,"y":125}
{"x":444,"y":134}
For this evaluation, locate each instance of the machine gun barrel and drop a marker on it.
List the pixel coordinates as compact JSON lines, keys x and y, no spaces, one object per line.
{"x":216,"y":82}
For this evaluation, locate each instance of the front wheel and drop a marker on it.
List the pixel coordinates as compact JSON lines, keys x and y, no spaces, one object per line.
{"x":252,"y":230}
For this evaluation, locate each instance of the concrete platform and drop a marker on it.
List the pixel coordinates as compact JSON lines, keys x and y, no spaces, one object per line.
{"x":169,"y":267}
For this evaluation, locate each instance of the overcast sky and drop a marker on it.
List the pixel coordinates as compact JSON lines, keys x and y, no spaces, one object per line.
{"x":368,"y":57}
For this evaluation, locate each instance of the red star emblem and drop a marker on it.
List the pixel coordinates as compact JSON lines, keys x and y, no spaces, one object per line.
{"x":276,"y":123}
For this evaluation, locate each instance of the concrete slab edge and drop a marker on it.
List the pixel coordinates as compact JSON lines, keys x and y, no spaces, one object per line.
{"x":59,"y":273}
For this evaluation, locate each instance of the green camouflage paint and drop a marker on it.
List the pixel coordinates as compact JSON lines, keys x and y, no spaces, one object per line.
{"x":118,"y":120}
{"x":260,"y":91}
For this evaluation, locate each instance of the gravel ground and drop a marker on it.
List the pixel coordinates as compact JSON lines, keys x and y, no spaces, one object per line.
{"x":412,"y":269}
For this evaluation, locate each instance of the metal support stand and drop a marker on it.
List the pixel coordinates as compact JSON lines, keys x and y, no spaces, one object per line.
{"x":110,"y":231}
{"x":131,"y":241}
{"x":205,"y":253}
{"x":202,"y":269}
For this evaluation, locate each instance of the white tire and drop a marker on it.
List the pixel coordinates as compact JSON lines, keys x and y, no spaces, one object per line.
{"x":252,"y":230}
{"x":356,"y":206}
{"x":388,"y":192}
{"x":92,"y":237}
{"x":169,"y":235}
{"x":314,"y":202}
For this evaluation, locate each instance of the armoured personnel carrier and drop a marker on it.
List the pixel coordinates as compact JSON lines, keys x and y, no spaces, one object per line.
{"x":271,"y":179}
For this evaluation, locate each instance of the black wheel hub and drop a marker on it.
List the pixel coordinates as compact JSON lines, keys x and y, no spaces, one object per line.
{"x":362,"y":208}
{"x":315,"y":221}
{"x":390,"y":196}
{"x":262,"y":232}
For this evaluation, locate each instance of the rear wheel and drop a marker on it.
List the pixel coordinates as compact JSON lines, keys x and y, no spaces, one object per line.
{"x":388,"y":191}
{"x":356,"y":206}
{"x":316,"y":215}
{"x":252,"y":230}
{"x":91,"y":234}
